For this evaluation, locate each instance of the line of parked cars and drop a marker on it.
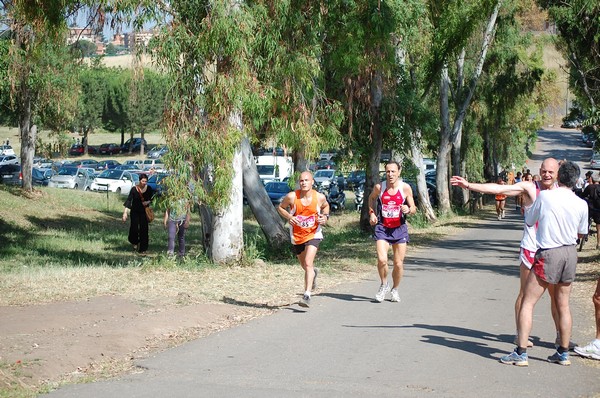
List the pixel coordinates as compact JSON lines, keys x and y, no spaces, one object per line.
{"x":88,"y":174}
{"x":132,"y":145}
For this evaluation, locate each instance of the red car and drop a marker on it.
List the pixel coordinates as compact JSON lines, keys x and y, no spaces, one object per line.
{"x":109,"y":149}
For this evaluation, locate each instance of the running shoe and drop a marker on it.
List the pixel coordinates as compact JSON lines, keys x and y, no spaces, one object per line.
{"x":499,"y":217}
{"x":589,"y":351}
{"x":561,"y":359}
{"x":383,"y":290}
{"x":305,"y":301}
{"x":314,"y":285}
{"x":395,"y":296}
{"x":503,"y":214}
{"x":572,"y":345}
{"x":515,"y":359}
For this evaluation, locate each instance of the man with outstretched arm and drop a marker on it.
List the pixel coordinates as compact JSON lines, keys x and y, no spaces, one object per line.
{"x":529,"y":190}
{"x":561,"y":217}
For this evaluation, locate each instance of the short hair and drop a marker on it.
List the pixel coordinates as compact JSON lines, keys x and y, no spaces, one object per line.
{"x":143,"y":175}
{"x":397,"y":163}
{"x":568,"y":174}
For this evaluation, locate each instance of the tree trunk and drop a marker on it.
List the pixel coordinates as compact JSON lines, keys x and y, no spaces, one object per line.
{"x":142,"y":146}
{"x":417,"y":157}
{"x":441,"y":179}
{"x":262,"y":208}
{"x":28,"y":136}
{"x":227,"y":240}
{"x":372,"y":171}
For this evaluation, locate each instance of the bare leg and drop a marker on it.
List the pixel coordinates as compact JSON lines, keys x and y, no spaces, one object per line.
{"x":307,"y":258}
{"x":399,"y":250}
{"x":382,"y":260}
{"x":534,"y":288}
{"x":562,"y":292}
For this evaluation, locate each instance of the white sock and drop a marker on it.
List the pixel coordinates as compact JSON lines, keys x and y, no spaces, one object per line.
{"x":307,"y":293}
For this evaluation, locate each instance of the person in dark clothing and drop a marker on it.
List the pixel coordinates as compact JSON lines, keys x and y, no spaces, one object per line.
{"x":139,"y":198}
{"x":591,"y":194}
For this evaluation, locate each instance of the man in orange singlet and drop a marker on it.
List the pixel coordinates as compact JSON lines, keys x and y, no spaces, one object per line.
{"x":306,"y":210}
{"x":389,"y":204}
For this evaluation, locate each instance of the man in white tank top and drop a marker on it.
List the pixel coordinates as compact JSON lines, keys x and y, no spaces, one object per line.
{"x":529,"y":191}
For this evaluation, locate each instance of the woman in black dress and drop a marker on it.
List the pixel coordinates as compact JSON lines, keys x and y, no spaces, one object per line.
{"x":139,"y":198}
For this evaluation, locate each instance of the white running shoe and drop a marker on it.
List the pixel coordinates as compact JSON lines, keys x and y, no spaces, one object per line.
{"x":383,"y":290}
{"x":589,"y":351}
{"x":395,"y":296}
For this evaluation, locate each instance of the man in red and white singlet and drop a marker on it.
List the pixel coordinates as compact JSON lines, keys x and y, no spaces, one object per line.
{"x":389,"y":203}
{"x":529,"y":191}
{"x":306,"y":210}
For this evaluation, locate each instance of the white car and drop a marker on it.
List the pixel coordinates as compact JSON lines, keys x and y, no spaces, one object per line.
{"x":9,"y":159}
{"x":153,"y":164}
{"x":595,"y":161}
{"x":6,"y":150}
{"x":113,"y":181}
{"x":73,"y":178}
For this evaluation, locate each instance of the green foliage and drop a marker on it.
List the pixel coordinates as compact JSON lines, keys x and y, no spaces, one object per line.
{"x":578,"y":40}
{"x":83,"y":48}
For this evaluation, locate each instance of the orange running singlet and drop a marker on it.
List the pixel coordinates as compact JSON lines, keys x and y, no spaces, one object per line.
{"x":309,"y":227}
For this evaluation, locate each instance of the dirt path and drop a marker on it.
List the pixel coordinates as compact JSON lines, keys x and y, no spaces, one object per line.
{"x":100,"y":336}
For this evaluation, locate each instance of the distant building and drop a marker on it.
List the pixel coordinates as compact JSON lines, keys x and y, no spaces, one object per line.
{"x":140,"y":39}
{"x":118,"y":40}
{"x":87,"y":34}
{"x":76,"y":34}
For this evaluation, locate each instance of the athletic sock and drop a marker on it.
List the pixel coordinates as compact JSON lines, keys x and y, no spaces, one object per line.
{"x":562,"y":350}
{"x":521,"y":351}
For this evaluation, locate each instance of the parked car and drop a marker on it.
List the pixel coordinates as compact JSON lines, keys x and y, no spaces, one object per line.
{"x":91,"y":163}
{"x":133,"y":145}
{"x":6,"y":150}
{"x":153,"y":164}
{"x":73,"y":178}
{"x":595,"y":161}
{"x":277,"y":191}
{"x":76,"y":150}
{"x":354,"y":178}
{"x":134,"y":162}
{"x":107,"y":164}
{"x":324,"y":177}
{"x":157,"y":152}
{"x":128,"y":167}
{"x":109,"y":149}
{"x":41,"y":176}
{"x":325,"y":164}
{"x":42,"y":163}
{"x":11,"y":174}
{"x":9,"y":159}
{"x":569,"y":124}
{"x":155,"y":181}
{"x":113,"y":181}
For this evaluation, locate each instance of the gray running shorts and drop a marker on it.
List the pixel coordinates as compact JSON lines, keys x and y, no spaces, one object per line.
{"x":556,"y":265}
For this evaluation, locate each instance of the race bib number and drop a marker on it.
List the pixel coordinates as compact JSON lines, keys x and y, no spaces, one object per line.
{"x":390,"y":211}
{"x":306,"y":221}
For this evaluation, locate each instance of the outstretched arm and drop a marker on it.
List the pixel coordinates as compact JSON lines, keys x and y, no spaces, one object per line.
{"x":490,"y":188}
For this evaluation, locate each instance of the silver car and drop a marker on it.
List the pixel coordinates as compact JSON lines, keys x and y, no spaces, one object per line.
{"x":73,"y":178}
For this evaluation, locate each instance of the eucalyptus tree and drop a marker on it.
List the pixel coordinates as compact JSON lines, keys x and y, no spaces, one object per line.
{"x":92,"y":98}
{"x":514,"y":93}
{"x":147,"y":102}
{"x":39,"y":68}
{"x":454,"y":24}
{"x":364,"y":42}
{"x":577,"y":22}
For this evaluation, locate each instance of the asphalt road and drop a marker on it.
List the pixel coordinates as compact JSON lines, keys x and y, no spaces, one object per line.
{"x":443,"y":340}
